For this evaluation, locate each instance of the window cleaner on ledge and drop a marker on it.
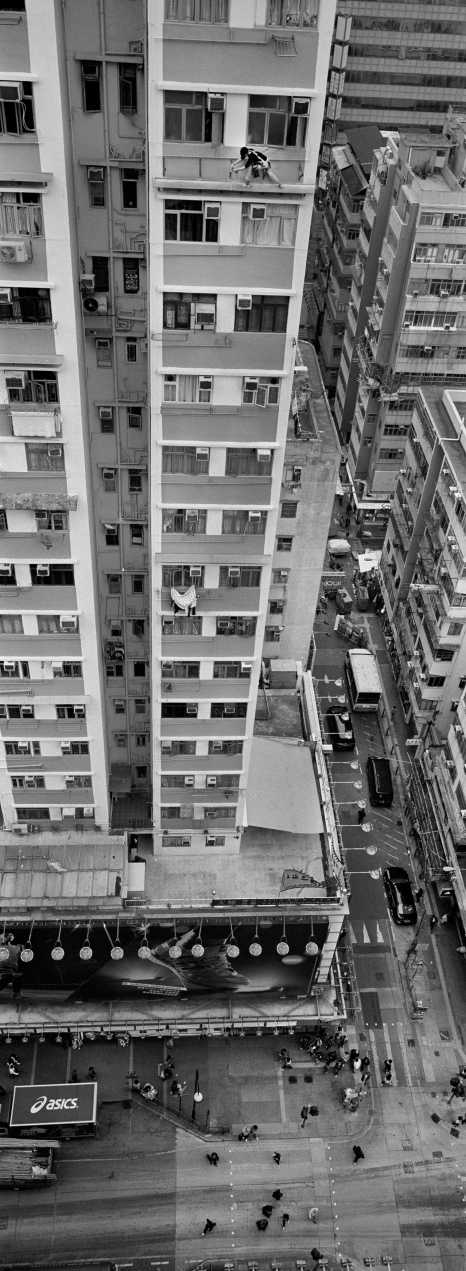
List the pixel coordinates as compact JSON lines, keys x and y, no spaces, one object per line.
{"x":255,"y":164}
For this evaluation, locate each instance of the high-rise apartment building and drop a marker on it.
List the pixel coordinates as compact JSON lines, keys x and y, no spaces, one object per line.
{"x":405,"y":63}
{"x":414,"y":302}
{"x":159,"y":431}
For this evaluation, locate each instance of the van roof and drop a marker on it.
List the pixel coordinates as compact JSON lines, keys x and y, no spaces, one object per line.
{"x":364,"y":664}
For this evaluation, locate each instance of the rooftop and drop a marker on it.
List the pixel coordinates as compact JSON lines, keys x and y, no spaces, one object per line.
{"x":363,"y":142}
{"x":74,"y":871}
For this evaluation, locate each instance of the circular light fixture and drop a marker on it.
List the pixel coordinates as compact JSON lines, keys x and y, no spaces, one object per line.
{"x":371,"y":850}
{"x":27,"y":953}
{"x":4,"y":953}
{"x":283,"y":947}
{"x":232,"y":949}
{"x":144,"y":951}
{"x":116,"y":951}
{"x":57,"y":953}
{"x":175,"y":951}
{"x":255,"y":948}
{"x":197,"y":949}
{"x":198,"y":1096}
{"x":85,"y":951}
{"x":311,"y":948}
{"x":25,"y":1038}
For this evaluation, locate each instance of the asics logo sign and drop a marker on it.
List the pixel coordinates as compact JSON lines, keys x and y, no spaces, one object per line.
{"x":53,"y":1105}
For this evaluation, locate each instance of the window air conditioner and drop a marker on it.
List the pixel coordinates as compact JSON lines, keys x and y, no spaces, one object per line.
{"x":69,"y":782}
{"x":88,"y":810}
{"x":14,"y":252}
{"x":195,"y":572}
{"x":106,"y":413}
{"x":26,"y":712}
{"x":234,"y":574}
{"x":263,"y":456}
{"x":217,"y":747}
{"x":9,"y":666}
{"x":93,"y":175}
{"x":5,"y":569}
{"x":205,"y":383}
{"x":202,"y":452}
{"x":16,"y":379}
{"x":211,"y":781}
{"x":246,"y":668}
{"x":212,"y":211}
{"x":191,"y":709}
{"x":87,"y":283}
{"x":10,"y":92}
{"x":210,"y":841}
{"x":68,"y":622}
{"x":284,"y":575}
{"x":189,"y":781}
{"x":254,"y":516}
{"x":300,"y":106}
{"x":30,"y":782}
{"x":68,"y":814}
{"x":65,"y":747}
{"x":167,"y":668}
{"x":229,"y":708}
{"x":5,"y":295}
{"x":244,"y":302}
{"x":166,"y":748}
{"x":257,"y":211}
{"x":108,"y":474}
{"x":186,"y":842}
{"x":54,"y":452}
{"x":216,"y":103}
{"x":43,"y":571}
{"x":80,"y":712}
{"x":23,"y":746}
{"x":204,"y":316}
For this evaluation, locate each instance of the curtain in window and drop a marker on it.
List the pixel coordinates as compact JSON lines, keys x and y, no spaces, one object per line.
{"x":187,"y":388}
{"x":11,"y":625}
{"x":277,"y":230}
{"x":292,"y":12}
{"x":196,"y":10}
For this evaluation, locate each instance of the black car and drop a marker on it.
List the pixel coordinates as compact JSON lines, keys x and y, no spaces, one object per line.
{"x":379,"y":780}
{"x":340,"y":730}
{"x":400,"y":895}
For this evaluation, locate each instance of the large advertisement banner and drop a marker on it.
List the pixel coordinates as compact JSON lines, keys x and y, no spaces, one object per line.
{"x":67,"y":1104}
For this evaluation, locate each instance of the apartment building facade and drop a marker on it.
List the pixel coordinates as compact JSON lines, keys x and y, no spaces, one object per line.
{"x":130,"y":189}
{"x":415,"y":321}
{"x":424,"y":562}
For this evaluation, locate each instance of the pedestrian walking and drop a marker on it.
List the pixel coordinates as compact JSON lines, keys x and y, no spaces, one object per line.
{"x":14,"y":1060}
{"x":285,"y":1219}
{"x":91,"y":1072}
{"x":316,"y":1254}
{"x":304,"y":1115}
{"x":12,"y":1070}
{"x":387,"y":1072}
{"x":365,"y":1062}
{"x":433,"y":922}
{"x":361,"y":813}
{"x":209,"y":1226}
{"x":277,"y":1158}
{"x":419,"y":894}
{"x":355,"y":1061}
{"x":262,"y":1224}
{"x":277,"y":1195}
{"x":444,"y":920}
{"x":358,"y":1154}
{"x":213,"y":1158}
{"x":365,"y":1077}
{"x":267,"y":1211}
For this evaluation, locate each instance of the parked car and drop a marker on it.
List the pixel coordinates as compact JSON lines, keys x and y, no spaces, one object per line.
{"x":400,"y":895}
{"x":379,"y":779}
{"x":340,"y":730}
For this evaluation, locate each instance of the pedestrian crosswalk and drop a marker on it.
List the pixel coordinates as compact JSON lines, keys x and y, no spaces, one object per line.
{"x":369,"y":931}
{"x":410,"y":1065}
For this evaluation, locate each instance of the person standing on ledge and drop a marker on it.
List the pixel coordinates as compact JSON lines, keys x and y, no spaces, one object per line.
{"x":255,"y":164}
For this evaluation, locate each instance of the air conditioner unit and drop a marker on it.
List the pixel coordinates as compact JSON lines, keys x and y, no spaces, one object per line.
{"x":244,"y":302}
{"x":108,"y":474}
{"x":30,"y":782}
{"x":205,"y":383}
{"x":5,"y":569}
{"x":26,"y":712}
{"x":229,"y":708}
{"x":284,"y":575}
{"x":10,"y":92}
{"x":88,"y":810}
{"x":23,"y":746}
{"x":69,"y":782}
{"x":65,"y":747}
{"x":186,"y":842}
{"x":263,"y":456}
{"x":449,"y":326}
{"x":189,"y":781}
{"x":191,"y":710}
{"x":217,"y":747}
{"x":202,"y":452}
{"x":43,"y":571}
{"x":9,"y":666}
{"x":254,"y":516}
{"x":210,"y":841}
{"x":15,"y":251}
{"x":68,"y":622}
{"x":16,"y":379}
{"x":87,"y":283}
{"x":195,"y":572}
{"x":95,"y":304}
{"x":246,"y":668}
{"x":300,"y":106}
{"x":93,"y":175}
{"x":204,"y":316}
{"x":234,"y":573}
{"x":80,"y":712}
{"x":166,"y":747}
{"x":212,"y":211}
{"x":68,"y":814}
{"x":444,"y":291}
{"x":106,"y":413}
{"x":257,"y":211}
{"x":5,"y":295}
{"x":211,"y":781}
{"x":216,"y":103}
{"x":54,"y":452}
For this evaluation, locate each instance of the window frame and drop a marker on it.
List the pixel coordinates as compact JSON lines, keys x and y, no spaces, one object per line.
{"x":128,"y":86}
{"x":88,"y":78}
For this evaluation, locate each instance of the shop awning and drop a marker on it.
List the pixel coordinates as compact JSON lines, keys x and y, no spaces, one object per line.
{"x":282,"y":792}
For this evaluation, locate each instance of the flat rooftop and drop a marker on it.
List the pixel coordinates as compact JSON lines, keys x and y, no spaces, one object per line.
{"x":73,"y":871}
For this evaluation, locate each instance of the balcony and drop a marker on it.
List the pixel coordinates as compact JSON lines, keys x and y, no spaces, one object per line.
{"x":218,"y":646}
{"x":43,"y":764}
{"x":39,"y":599}
{"x":224,"y":548}
{"x":189,"y":726}
{"x":208,"y":690}
{"x":234,"y":600}
{"x":201,"y":763}
{"x":190,"y":794}
{"x":41,"y":646}
{"x":207,"y":425}
{"x":54,"y":729}
{"x":65,"y":687}
{"x":37,"y":545}
{"x":205,"y":491}
{"x":226,"y":351}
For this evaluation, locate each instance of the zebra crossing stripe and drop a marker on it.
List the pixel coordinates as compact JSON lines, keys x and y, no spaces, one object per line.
{"x":379,"y":935}
{"x":365,"y":935}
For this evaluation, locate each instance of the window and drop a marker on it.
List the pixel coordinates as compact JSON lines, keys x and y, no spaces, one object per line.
{"x":288,"y":510}
{"x":8,"y":579}
{"x":284,"y":544}
{"x":140,"y":705}
{"x":120,"y":739}
{"x":134,"y":417}
{"x":276,"y":606}
{"x":112,"y":535}
{"x":103,"y":352}
{"x":297,"y":13}
{"x":119,"y":706}
{"x":91,"y":73}
{"x":139,"y":669}
{"x":134,"y":480}
{"x":242,"y":522}
{"x":275,"y":228}
{"x":138,"y":628}
{"x":137,"y":535}
{"x":141,"y":772}
{"x":239,"y":576}
{"x":272,"y":122}
{"x":188,"y":388}
{"x":260,"y":392}
{"x":130,"y":274}
{"x":109,"y":479}
{"x":106,"y":419}
{"x":436,"y":681}
{"x":96,"y":186}
{"x":114,"y":670}
{"x":181,"y":575}
{"x":129,"y":188}
{"x":455,"y":629}
{"x":127,"y":72}
{"x":184,"y":521}
{"x":101,"y":272}
{"x":196,"y":10}
{"x":68,"y":711}
{"x":191,"y":221}
{"x":187,"y":459}
{"x":41,"y":458}
{"x":16,"y":109}
{"x":268,"y":313}
{"x":141,"y":739}
{"x":114,"y":584}
{"x":188,"y":119}
{"x":280,"y":576}
{"x":138,"y":584}
{"x":11,"y":624}
{"x":131,"y":350}
{"x":184,"y":311}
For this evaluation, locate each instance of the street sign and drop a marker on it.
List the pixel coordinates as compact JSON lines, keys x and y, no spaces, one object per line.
{"x":65,"y":1104}
{"x":412,"y":742}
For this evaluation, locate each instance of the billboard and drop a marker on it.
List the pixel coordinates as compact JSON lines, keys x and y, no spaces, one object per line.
{"x":65,"y":1104}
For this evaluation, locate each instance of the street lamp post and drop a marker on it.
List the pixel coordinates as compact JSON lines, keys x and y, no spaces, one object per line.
{"x":197,"y":1096}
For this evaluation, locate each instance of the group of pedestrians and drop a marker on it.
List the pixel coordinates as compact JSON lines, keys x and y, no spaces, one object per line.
{"x":267,"y":1211}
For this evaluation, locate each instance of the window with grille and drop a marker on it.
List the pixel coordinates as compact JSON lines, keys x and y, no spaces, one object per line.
{"x":268,"y":313}
{"x":129,"y":188}
{"x":130,"y":275}
{"x":196,"y":11}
